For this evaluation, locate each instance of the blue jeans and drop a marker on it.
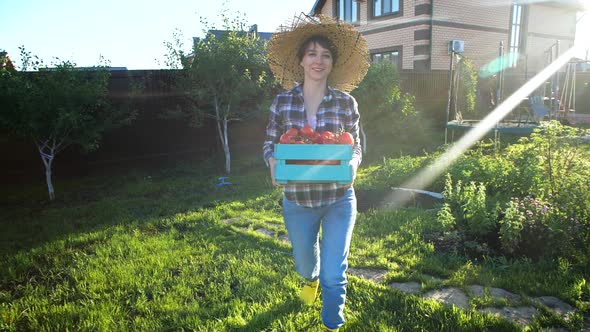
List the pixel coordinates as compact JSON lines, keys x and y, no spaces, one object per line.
{"x":327,"y":260}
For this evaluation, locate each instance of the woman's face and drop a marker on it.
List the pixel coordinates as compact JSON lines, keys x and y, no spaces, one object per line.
{"x":317,"y":63}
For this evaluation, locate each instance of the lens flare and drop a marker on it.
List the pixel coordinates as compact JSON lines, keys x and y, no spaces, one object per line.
{"x":427,"y":175}
{"x":498,"y":64}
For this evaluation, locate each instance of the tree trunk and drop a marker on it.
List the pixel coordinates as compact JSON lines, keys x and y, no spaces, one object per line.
{"x":222,"y":133}
{"x":47,"y":154}
{"x":226,"y":147}
{"x":49,"y":182}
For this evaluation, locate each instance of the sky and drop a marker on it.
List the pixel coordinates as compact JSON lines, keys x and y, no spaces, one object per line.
{"x":127,"y":33}
{"x":132,"y":33}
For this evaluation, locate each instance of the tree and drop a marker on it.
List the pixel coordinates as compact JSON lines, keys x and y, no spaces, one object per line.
{"x":225,"y":78}
{"x":58,"y":107}
{"x":379,"y":96}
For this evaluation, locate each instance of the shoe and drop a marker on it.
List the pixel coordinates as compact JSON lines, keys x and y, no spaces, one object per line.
{"x":309,"y":291}
{"x":327,"y":329}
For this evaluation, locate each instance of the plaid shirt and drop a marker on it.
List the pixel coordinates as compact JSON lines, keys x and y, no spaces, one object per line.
{"x":337,"y":111}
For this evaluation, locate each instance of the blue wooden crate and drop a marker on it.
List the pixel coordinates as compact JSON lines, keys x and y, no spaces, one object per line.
{"x":287,"y":172}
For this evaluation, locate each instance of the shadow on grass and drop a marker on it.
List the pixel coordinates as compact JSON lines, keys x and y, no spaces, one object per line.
{"x":263,"y":321}
{"x":28,"y":219}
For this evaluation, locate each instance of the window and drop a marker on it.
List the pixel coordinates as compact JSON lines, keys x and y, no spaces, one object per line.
{"x":515,"y":34}
{"x":348,"y":10}
{"x":385,"y":7}
{"x":391,"y":56}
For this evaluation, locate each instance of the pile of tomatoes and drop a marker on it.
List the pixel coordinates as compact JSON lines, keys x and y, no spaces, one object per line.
{"x":309,"y":136}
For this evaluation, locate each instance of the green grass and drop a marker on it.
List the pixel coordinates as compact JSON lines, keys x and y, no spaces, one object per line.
{"x":149,"y":252}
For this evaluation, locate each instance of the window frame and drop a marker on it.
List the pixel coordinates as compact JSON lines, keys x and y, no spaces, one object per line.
{"x":516,"y":34}
{"x":398,"y":64}
{"x":398,"y":13}
{"x":352,"y":3}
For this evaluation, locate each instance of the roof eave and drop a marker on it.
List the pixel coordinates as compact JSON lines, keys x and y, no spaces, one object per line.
{"x":317,"y":7}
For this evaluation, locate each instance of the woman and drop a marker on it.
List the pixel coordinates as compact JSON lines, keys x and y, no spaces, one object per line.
{"x":328,"y":58}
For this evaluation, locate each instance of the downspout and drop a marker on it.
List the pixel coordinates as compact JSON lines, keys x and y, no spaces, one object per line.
{"x":431,"y":28}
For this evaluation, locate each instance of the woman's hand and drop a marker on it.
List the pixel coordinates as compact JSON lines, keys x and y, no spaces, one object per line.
{"x":353,"y":165}
{"x":271,"y":163}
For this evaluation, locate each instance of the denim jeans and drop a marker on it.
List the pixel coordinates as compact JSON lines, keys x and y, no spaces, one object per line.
{"x":327,"y":259}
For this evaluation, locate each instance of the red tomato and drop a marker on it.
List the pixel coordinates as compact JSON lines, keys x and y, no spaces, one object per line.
{"x":307,"y":131}
{"x":346,"y":138}
{"x":328,"y":137}
{"x":316,"y":138}
{"x":292,"y":132}
{"x":285,"y":139}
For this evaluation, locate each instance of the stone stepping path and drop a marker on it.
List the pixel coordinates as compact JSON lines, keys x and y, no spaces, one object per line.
{"x":515,"y":309}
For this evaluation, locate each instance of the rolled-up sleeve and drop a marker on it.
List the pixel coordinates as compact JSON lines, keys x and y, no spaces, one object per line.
{"x":272,"y":131}
{"x":353,"y":128}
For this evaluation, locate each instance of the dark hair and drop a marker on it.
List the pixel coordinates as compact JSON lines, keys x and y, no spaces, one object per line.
{"x":324,"y":42}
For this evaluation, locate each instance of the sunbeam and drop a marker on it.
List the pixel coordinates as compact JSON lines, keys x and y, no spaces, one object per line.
{"x":427,"y":175}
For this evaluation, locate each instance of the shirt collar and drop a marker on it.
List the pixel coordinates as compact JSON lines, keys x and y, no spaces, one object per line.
{"x":298,"y":90}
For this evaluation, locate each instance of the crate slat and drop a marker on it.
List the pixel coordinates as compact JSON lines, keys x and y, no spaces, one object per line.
{"x":293,"y":173}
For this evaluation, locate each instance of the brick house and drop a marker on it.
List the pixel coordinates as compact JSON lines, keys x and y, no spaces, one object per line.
{"x":415,"y":34}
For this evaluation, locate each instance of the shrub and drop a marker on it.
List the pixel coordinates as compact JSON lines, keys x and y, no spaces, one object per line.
{"x":467,"y":212}
{"x":534,"y":228}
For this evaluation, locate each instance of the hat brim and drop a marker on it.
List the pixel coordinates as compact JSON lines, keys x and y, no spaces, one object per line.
{"x":353,"y":54}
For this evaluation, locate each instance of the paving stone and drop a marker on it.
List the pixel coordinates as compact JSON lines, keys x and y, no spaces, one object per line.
{"x":476,"y":290}
{"x":407,"y":287}
{"x":451,"y":295}
{"x":499,"y":293}
{"x":522,"y":316}
{"x":270,"y":224}
{"x":556,"y":305}
{"x":265,"y":231}
{"x":432,"y":278}
{"x":374,"y":275}
{"x":284,"y":238}
{"x":495,"y":293}
{"x":231,"y":220}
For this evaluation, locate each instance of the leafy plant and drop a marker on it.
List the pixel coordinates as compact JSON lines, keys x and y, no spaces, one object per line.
{"x":58,"y":107}
{"x":225,"y":78}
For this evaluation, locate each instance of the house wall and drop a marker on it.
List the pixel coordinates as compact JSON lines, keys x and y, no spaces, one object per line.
{"x":396,"y":32}
{"x":546,"y":25}
{"x":328,"y":8}
{"x":481,"y":24}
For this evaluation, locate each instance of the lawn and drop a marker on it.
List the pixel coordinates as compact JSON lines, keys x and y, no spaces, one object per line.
{"x":151,"y":251}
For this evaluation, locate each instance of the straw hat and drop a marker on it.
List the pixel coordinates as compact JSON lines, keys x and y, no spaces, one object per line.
{"x":352,"y":51}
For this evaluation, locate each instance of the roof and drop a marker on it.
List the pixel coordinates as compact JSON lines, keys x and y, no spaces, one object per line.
{"x":317,"y":7}
{"x":263,"y":35}
{"x":573,"y":4}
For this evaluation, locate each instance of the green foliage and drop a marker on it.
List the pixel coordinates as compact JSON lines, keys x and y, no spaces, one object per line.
{"x":392,"y":172}
{"x":468,"y":212}
{"x":468,"y":85}
{"x":511,"y":227}
{"x":58,"y":107}
{"x":539,"y":186}
{"x":225,"y":78}
{"x":378,"y":91}
{"x":153,"y":250}
{"x":535,"y":228}
{"x":389,"y":116}
{"x":554,"y":162}
{"x":481,"y":163}
{"x":465,"y":88}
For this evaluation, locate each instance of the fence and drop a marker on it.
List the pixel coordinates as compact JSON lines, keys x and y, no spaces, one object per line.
{"x":150,"y":139}
{"x":431,"y":90}
{"x":153,"y":139}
